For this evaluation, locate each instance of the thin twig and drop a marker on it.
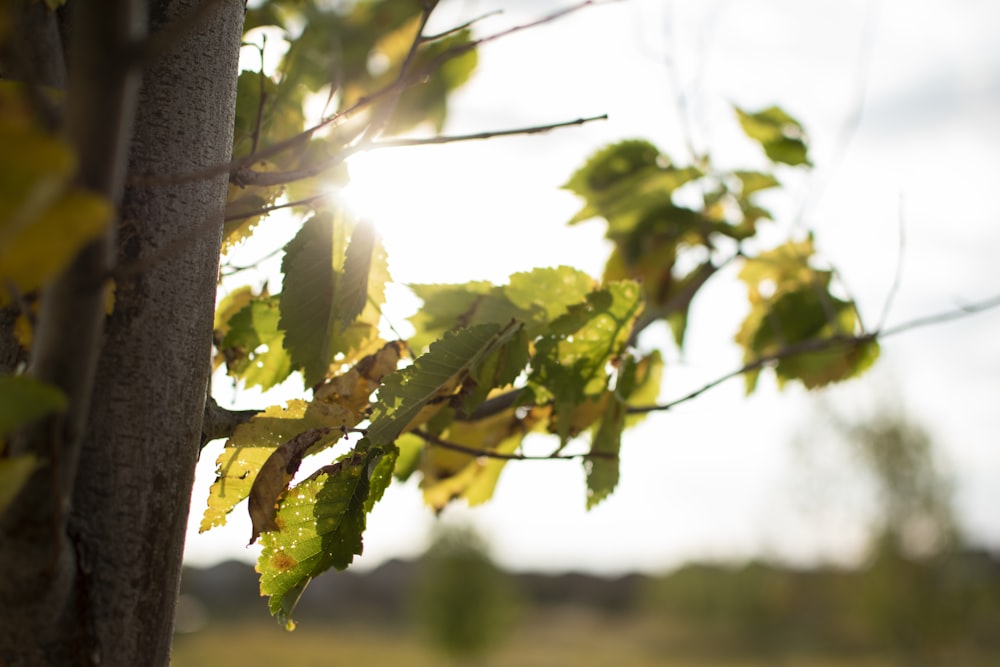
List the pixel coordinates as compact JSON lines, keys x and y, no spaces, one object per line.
{"x":489,"y":454}
{"x":233,"y":270}
{"x":276,"y":207}
{"x":269,"y":178}
{"x":941,"y":318}
{"x":823,"y":344}
{"x":459,"y":28}
{"x":897,"y":277}
{"x":542,"y":21}
{"x":454,"y":138}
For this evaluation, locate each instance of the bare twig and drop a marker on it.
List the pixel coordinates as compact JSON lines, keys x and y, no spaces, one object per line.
{"x":572,"y":9}
{"x":824,"y":344}
{"x":459,"y":28}
{"x":897,"y":277}
{"x":489,"y":454}
{"x":941,"y":318}
{"x":805,"y":347}
{"x":492,"y":134}
{"x":267,"y":178}
{"x":305,"y":201}
{"x":233,"y":270}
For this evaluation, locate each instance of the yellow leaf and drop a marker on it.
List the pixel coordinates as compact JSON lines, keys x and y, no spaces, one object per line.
{"x":44,"y":218}
{"x":270,"y":441}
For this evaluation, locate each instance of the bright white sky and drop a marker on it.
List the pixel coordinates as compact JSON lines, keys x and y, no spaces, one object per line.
{"x":717,"y":478}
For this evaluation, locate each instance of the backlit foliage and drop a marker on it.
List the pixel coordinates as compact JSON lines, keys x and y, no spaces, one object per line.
{"x":552,"y":351}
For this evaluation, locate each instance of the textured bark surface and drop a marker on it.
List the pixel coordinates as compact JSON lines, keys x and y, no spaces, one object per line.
{"x":138,"y":458}
{"x":129,"y":506}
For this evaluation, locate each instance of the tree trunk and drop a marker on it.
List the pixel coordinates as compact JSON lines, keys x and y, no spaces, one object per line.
{"x":130,"y":496}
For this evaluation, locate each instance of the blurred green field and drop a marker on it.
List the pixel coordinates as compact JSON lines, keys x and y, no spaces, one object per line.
{"x":577,"y":638}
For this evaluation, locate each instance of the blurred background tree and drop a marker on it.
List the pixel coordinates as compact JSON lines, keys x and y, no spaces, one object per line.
{"x":462,"y":601}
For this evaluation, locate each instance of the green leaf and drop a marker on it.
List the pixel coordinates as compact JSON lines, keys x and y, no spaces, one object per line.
{"x":570,"y":361}
{"x":253,"y":346}
{"x":433,"y":376}
{"x":353,"y":293}
{"x":231,"y":304}
{"x":639,"y":383}
{"x":548,"y":291}
{"x":602,"y":465}
{"x":446,"y":307}
{"x":311,"y":302}
{"x":621,"y":180}
{"x":499,"y":369}
{"x":809,"y":314}
{"x":428,"y":102}
{"x":780,"y":135}
{"x":755,"y":181}
{"x":321,"y":522}
{"x":310,"y":266}
{"x":613,"y":165}
{"x":782,"y":269}
{"x":410,"y":448}
{"x":264,"y":115}
{"x":23,"y":400}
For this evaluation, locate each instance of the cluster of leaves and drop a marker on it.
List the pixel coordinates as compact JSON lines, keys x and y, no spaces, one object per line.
{"x":552,"y":351}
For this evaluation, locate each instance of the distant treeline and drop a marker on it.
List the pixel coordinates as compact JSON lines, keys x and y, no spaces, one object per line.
{"x":924,"y":609}
{"x":943,"y":606}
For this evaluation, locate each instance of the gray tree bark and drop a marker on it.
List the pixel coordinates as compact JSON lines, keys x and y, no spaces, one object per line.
{"x":104,"y":589}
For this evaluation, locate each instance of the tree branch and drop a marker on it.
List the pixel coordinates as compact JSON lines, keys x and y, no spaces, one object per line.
{"x":249,"y":177}
{"x":490,"y":454}
{"x":821,"y":345}
{"x":219,"y":422}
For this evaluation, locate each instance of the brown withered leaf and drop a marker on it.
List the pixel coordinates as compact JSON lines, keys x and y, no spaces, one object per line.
{"x":350,"y":392}
{"x":274,"y":477}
